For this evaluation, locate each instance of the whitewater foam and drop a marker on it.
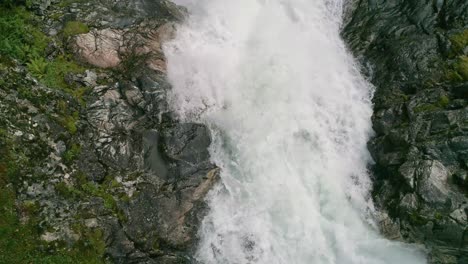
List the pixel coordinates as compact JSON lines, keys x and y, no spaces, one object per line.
{"x":289,"y":115}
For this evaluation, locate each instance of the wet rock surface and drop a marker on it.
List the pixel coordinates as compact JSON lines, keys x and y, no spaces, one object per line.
{"x":104,"y":161}
{"x":415,"y":54}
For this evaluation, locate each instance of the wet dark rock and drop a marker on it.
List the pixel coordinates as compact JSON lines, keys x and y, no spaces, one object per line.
{"x":411,"y":50}
{"x":105,"y":155}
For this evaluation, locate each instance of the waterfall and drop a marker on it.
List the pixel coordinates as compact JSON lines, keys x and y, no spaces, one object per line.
{"x":289,"y":114}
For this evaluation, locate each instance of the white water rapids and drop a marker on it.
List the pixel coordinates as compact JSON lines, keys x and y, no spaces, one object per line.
{"x":289,"y":115}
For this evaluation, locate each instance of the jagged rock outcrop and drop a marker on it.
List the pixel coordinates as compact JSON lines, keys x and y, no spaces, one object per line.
{"x":99,"y":159}
{"x":415,"y":53}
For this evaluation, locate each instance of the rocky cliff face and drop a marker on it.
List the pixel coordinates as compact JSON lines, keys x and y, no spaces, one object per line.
{"x":93,"y":166}
{"x":415,"y":53}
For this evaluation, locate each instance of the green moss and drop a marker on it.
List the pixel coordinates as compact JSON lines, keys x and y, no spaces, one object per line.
{"x":21,"y":39}
{"x":69,"y":122}
{"x":426,"y":108}
{"x":56,"y":16}
{"x":20,"y":241}
{"x":66,"y":191}
{"x":72,"y":153}
{"x":457,"y":71}
{"x":98,"y":191}
{"x":73,"y":28}
{"x":105,"y":191}
{"x":459,"y":41}
{"x":461,"y":66}
{"x":443,"y":101}
{"x":30,"y":207}
{"x":440,"y":104}
{"x":91,"y":243}
{"x":452,"y":76}
{"x":416,"y":219}
{"x":438,"y":216}
{"x":67,"y":3}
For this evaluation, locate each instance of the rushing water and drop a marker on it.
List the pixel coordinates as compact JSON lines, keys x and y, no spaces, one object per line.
{"x":290,"y":117}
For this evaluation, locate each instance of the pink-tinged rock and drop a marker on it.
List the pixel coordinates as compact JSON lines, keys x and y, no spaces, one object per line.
{"x":100,"y":47}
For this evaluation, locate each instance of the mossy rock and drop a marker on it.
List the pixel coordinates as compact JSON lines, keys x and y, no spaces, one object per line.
{"x":73,"y":28}
{"x":459,"y":41}
{"x":461,"y":66}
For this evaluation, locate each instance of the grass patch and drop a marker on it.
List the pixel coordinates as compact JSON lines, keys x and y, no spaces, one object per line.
{"x":57,"y":70}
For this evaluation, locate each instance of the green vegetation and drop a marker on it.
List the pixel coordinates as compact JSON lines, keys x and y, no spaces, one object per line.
{"x":416,"y":219}
{"x":69,"y":122}
{"x":23,"y":41}
{"x":86,"y":189}
{"x":438,"y":216}
{"x":57,"y":70}
{"x":73,"y":28}
{"x":461,"y":67}
{"x":71,"y":154}
{"x":457,"y":70}
{"x":459,"y":42}
{"x":99,"y":191}
{"x":93,"y":245}
{"x":20,"y":39}
{"x":426,"y":108}
{"x":67,"y":3}
{"x":37,"y":66}
{"x":66,"y":191}
{"x":442,"y":103}
{"x":20,"y":240}
{"x":104,"y":191}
